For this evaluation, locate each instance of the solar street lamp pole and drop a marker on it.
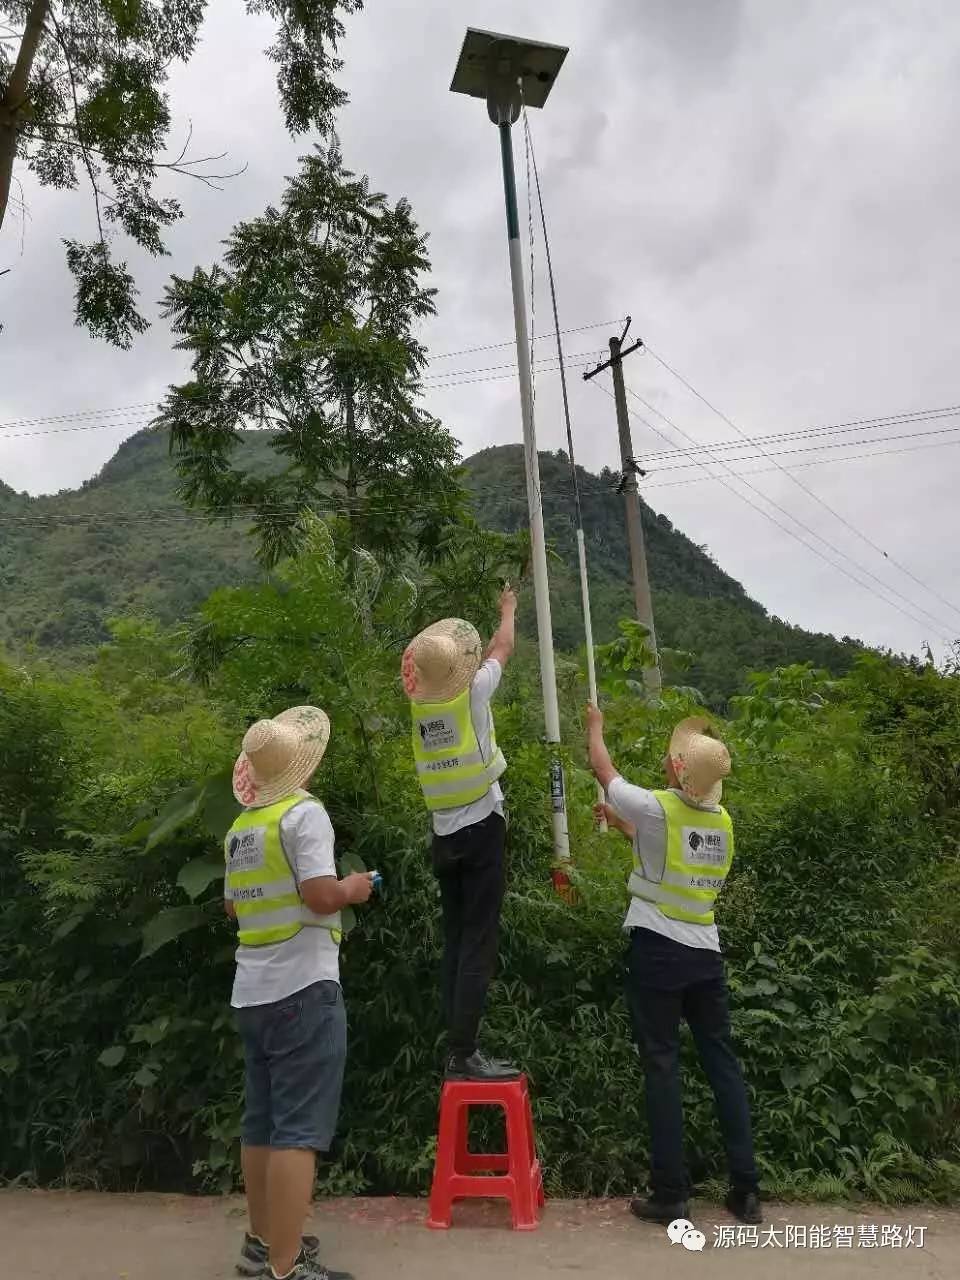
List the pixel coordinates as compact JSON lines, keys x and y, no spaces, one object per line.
{"x":509,"y":73}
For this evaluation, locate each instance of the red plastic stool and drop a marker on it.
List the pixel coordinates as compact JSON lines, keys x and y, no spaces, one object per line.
{"x":460,"y":1173}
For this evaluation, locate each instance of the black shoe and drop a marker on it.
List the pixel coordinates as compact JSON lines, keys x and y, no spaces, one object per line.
{"x":662,"y":1211}
{"x":307,"y":1267}
{"x":745,"y":1205}
{"x":478,"y":1067}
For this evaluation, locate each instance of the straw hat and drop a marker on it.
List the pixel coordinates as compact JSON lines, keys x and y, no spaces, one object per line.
{"x":441,"y":661}
{"x":700,"y":759}
{"x":280,"y":755}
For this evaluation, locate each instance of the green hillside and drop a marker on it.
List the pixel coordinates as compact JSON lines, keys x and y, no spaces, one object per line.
{"x":123,"y":543}
{"x":71,"y":561}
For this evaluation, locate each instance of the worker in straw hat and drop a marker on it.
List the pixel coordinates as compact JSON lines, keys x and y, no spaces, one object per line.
{"x":281,"y":887}
{"x":450,"y":683}
{"x":683,"y":846}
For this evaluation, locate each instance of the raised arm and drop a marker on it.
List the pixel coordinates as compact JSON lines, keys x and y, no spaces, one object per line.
{"x":600,"y":761}
{"x":502,"y":643}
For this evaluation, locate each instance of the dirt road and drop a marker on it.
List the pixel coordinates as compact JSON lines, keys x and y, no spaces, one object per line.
{"x":49,"y":1235}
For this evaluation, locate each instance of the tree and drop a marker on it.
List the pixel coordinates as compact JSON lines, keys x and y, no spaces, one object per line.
{"x":82,"y":89}
{"x":307,"y":331}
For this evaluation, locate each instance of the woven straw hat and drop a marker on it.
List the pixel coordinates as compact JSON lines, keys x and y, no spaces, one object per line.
{"x":700,"y":759}
{"x":441,"y":661}
{"x":280,"y":755}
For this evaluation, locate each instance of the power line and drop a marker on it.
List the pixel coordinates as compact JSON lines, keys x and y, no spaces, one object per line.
{"x":920,"y":416}
{"x":806,"y":528}
{"x":446,"y":355}
{"x":810,"y":448}
{"x":511,"y":365}
{"x":453,"y":379}
{"x":766,"y":514}
{"x":803,"y":466}
{"x":658,"y":461}
{"x":848,"y":524}
{"x":541,"y":337}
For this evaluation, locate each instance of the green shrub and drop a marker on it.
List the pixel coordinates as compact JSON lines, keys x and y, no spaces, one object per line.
{"x":120,"y":1064}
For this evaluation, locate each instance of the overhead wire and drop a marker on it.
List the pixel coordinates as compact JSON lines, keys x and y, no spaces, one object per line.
{"x":813,"y":433}
{"x":855,"y":425}
{"x":498,"y":346}
{"x":453,"y":379}
{"x":848,"y":524}
{"x":803,"y":466}
{"x":938,"y":622}
{"x":756,"y":507}
{"x":810,"y":448}
{"x":153,"y":404}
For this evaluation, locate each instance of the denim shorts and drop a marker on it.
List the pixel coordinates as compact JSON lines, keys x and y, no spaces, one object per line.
{"x":295,"y":1051}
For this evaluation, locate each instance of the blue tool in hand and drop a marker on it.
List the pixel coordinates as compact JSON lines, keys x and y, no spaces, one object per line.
{"x":376,"y":879}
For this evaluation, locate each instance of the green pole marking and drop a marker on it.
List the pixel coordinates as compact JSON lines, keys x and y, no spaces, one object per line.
{"x":509,"y":182}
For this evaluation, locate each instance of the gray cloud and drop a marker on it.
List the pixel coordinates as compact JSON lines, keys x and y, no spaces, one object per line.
{"x":769,"y":189}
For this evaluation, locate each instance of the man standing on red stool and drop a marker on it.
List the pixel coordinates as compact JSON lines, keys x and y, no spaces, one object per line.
{"x":450,"y":684}
{"x":683,"y":847}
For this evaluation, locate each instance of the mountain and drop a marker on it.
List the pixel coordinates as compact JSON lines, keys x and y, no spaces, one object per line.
{"x":70,"y":561}
{"x":697,"y":607}
{"x":123,"y":543}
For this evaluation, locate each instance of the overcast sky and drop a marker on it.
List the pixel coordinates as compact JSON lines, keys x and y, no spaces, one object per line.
{"x":769,"y":189}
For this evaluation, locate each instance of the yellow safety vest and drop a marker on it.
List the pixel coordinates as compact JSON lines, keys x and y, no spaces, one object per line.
{"x":261,"y":880}
{"x":699,"y":854}
{"x":451,"y":768}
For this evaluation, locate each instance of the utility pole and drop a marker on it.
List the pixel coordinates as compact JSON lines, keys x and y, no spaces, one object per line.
{"x":631,"y":502}
{"x":509,"y":73}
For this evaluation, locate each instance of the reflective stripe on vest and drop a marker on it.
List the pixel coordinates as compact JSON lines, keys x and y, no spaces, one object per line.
{"x":451,"y":768}
{"x":699,"y":855}
{"x":261,"y":882}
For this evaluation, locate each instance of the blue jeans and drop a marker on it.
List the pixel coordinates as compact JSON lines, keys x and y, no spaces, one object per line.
{"x":295,"y":1051}
{"x":666,"y":982}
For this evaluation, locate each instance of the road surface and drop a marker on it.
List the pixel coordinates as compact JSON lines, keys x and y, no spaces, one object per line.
{"x":90,"y":1236}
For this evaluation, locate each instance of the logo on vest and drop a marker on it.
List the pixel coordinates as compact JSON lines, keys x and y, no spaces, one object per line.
{"x":706,"y":845}
{"x":438,"y":734}
{"x":246,"y":850}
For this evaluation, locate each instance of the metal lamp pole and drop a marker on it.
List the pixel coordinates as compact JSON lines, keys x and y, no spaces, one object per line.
{"x":507,"y":73}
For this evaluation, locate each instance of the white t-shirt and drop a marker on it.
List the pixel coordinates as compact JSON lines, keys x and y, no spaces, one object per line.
{"x":485,"y":684}
{"x":645,"y":811}
{"x":280,"y":970}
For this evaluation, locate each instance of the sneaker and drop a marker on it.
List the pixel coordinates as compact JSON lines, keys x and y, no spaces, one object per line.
{"x":662,"y":1211}
{"x":478,"y":1067}
{"x":745,"y":1205}
{"x":307,"y":1267}
{"x":255,"y":1254}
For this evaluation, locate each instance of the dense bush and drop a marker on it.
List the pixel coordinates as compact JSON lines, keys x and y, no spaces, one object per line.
{"x":119,"y":1062}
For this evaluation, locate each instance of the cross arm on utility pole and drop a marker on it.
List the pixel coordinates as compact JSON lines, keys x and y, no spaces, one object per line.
{"x":621,"y":352}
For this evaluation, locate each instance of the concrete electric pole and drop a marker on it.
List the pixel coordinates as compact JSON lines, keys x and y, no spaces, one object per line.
{"x":631,"y":501}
